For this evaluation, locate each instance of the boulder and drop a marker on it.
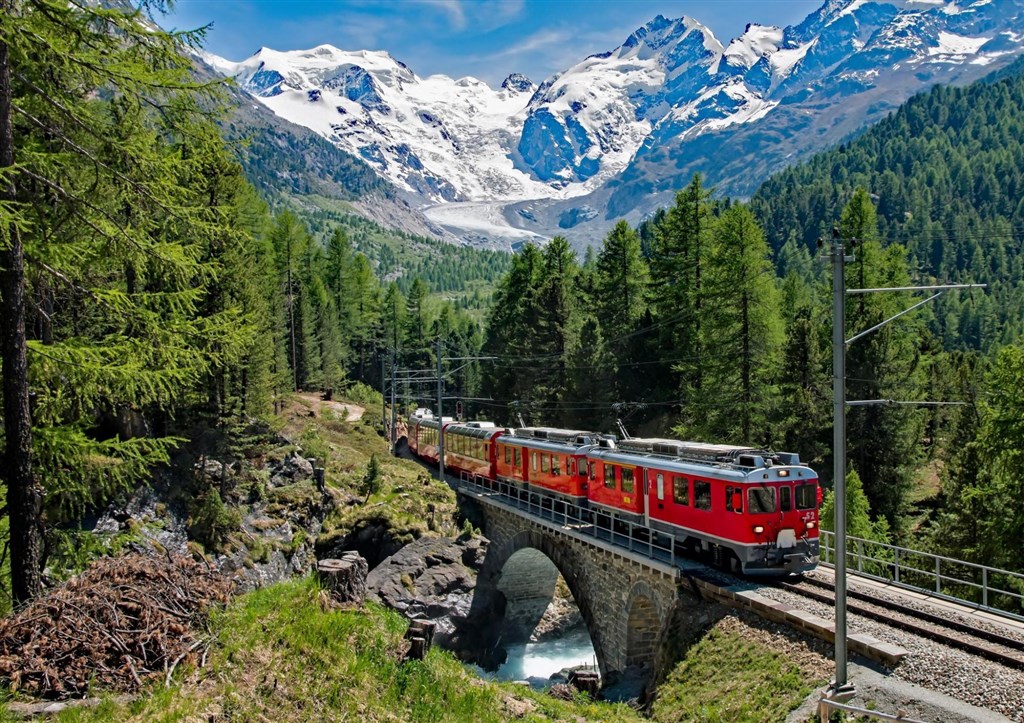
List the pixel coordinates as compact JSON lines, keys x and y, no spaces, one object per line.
{"x":298,"y":468}
{"x":429,"y":579}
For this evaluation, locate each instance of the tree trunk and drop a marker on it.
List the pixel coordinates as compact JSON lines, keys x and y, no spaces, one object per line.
{"x":24,"y":496}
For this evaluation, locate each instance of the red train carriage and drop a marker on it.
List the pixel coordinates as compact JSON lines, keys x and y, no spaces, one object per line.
{"x":424,"y":430}
{"x":470,"y":448}
{"x":759,"y":507}
{"x":616,"y":484}
{"x":552,"y":461}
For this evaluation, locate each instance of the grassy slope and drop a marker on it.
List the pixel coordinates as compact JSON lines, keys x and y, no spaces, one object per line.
{"x":282,"y":655}
{"x":736,"y":673}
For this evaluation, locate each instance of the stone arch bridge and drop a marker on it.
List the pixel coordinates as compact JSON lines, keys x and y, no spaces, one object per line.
{"x":627,"y":600}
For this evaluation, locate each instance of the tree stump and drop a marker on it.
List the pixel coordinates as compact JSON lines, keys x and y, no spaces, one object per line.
{"x":345,"y":578}
{"x":420,"y":636}
{"x":588,"y":681}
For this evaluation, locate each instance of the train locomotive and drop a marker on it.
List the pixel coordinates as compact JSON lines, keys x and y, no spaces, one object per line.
{"x":747,"y":509}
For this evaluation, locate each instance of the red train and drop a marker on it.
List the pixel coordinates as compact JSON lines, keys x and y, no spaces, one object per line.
{"x":749,"y":508}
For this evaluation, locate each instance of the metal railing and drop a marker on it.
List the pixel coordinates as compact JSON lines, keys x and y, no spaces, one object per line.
{"x":580,"y":521}
{"x":986,"y":588}
{"x":827,"y":705}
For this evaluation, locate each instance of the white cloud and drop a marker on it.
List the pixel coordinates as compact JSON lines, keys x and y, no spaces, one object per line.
{"x":453,"y":8}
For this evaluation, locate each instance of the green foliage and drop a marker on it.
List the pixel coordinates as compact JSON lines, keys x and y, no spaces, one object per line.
{"x":313,"y":445}
{"x":945,"y":173}
{"x":741,"y":329}
{"x":984,"y":521}
{"x":858,"y":512}
{"x":212,"y":522}
{"x":883,"y":441}
{"x":373,"y":479}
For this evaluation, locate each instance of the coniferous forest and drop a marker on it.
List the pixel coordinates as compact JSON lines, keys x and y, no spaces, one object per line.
{"x":149,"y":292}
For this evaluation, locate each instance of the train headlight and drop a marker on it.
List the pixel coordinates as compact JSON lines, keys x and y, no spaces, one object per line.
{"x":811,"y":525}
{"x":758,"y":529}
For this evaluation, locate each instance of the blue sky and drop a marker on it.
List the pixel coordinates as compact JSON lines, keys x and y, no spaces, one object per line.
{"x":487,"y":39}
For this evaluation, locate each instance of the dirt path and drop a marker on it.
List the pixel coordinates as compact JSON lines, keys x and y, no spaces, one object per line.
{"x":348,"y":412}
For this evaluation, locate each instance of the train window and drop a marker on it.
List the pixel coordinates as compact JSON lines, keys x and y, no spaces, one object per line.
{"x":543,"y":463}
{"x":533,"y":461}
{"x":508,"y":457}
{"x":609,"y":476}
{"x":733,"y":499}
{"x":702,"y":495}
{"x":517,"y":458}
{"x":556,"y":465}
{"x":785,"y":498}
{"x":806,"y":497}
{"x":760,"y":500}
{"x":661,"y":486}
{"x":627,"y":479}
{"x":681,"y":491}
{"x":582,"y":466}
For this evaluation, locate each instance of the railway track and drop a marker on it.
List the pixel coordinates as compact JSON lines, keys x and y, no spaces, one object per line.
{"x":932,"y":626}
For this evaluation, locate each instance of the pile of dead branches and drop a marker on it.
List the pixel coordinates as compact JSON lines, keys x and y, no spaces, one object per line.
{"x":121,"y":621}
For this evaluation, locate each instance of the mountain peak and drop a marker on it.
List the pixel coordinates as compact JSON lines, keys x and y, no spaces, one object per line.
{"x":518,"y":83}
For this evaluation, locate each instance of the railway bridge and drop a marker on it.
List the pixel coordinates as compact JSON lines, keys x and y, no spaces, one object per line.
{"x":627,"y":599}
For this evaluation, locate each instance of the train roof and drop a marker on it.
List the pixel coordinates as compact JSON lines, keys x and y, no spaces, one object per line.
{"x":476,"y":430}
{"x":432,"y":421}
{"x":689,"y":457}
{"x":563,"y":436}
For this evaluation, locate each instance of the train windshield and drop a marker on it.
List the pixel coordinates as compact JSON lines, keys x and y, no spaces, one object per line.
{"x":806,"y":497}
{"x":761,"y":500}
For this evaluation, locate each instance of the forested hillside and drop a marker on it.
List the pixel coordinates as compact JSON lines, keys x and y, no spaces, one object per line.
{"x":150,"y":298}
{"x":946,"y":173}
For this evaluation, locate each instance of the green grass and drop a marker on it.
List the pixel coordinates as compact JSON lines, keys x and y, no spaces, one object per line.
{"x":282,"y":657}
{"x":727,"y":677}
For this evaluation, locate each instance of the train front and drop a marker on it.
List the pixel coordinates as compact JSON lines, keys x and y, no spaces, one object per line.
{"x":779,"y":504}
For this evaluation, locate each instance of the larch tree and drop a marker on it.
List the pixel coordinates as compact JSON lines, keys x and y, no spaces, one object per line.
{"x":620,"y":282}
{"x":882,"y":441}
{"x":741,"y":331}
{"x":105,"y":258}
{"x":682,"y":243}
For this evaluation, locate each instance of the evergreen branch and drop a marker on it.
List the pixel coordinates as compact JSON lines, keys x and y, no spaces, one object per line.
{"x":139,"y":187}
{"x":91,"y":224}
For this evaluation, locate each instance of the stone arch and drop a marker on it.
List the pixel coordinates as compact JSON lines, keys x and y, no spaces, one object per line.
{"x":568,"y":564}
{"x":644,"y":619}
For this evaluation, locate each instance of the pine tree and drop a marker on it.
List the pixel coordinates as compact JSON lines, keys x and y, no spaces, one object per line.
{"x":557,"y":328}
{"x":620,"y":301}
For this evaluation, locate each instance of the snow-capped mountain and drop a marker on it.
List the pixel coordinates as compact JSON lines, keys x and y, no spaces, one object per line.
{"x":614,"y":135}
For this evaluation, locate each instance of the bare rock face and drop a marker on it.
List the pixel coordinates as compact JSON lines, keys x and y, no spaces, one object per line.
{"x":344,"y":577}
{"x":433,"y":578}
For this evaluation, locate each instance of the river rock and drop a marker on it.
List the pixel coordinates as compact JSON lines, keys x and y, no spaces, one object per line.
{"x":429,"y":579}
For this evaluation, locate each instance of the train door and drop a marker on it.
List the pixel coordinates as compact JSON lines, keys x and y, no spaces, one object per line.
{"x":641,"y":475}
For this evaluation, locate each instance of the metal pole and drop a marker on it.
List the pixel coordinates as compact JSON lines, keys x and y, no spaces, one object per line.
{"x":440,"y":415}
{"x":383,"y":394}
{"x":394,"y":437}
{"x":839,"y":453}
